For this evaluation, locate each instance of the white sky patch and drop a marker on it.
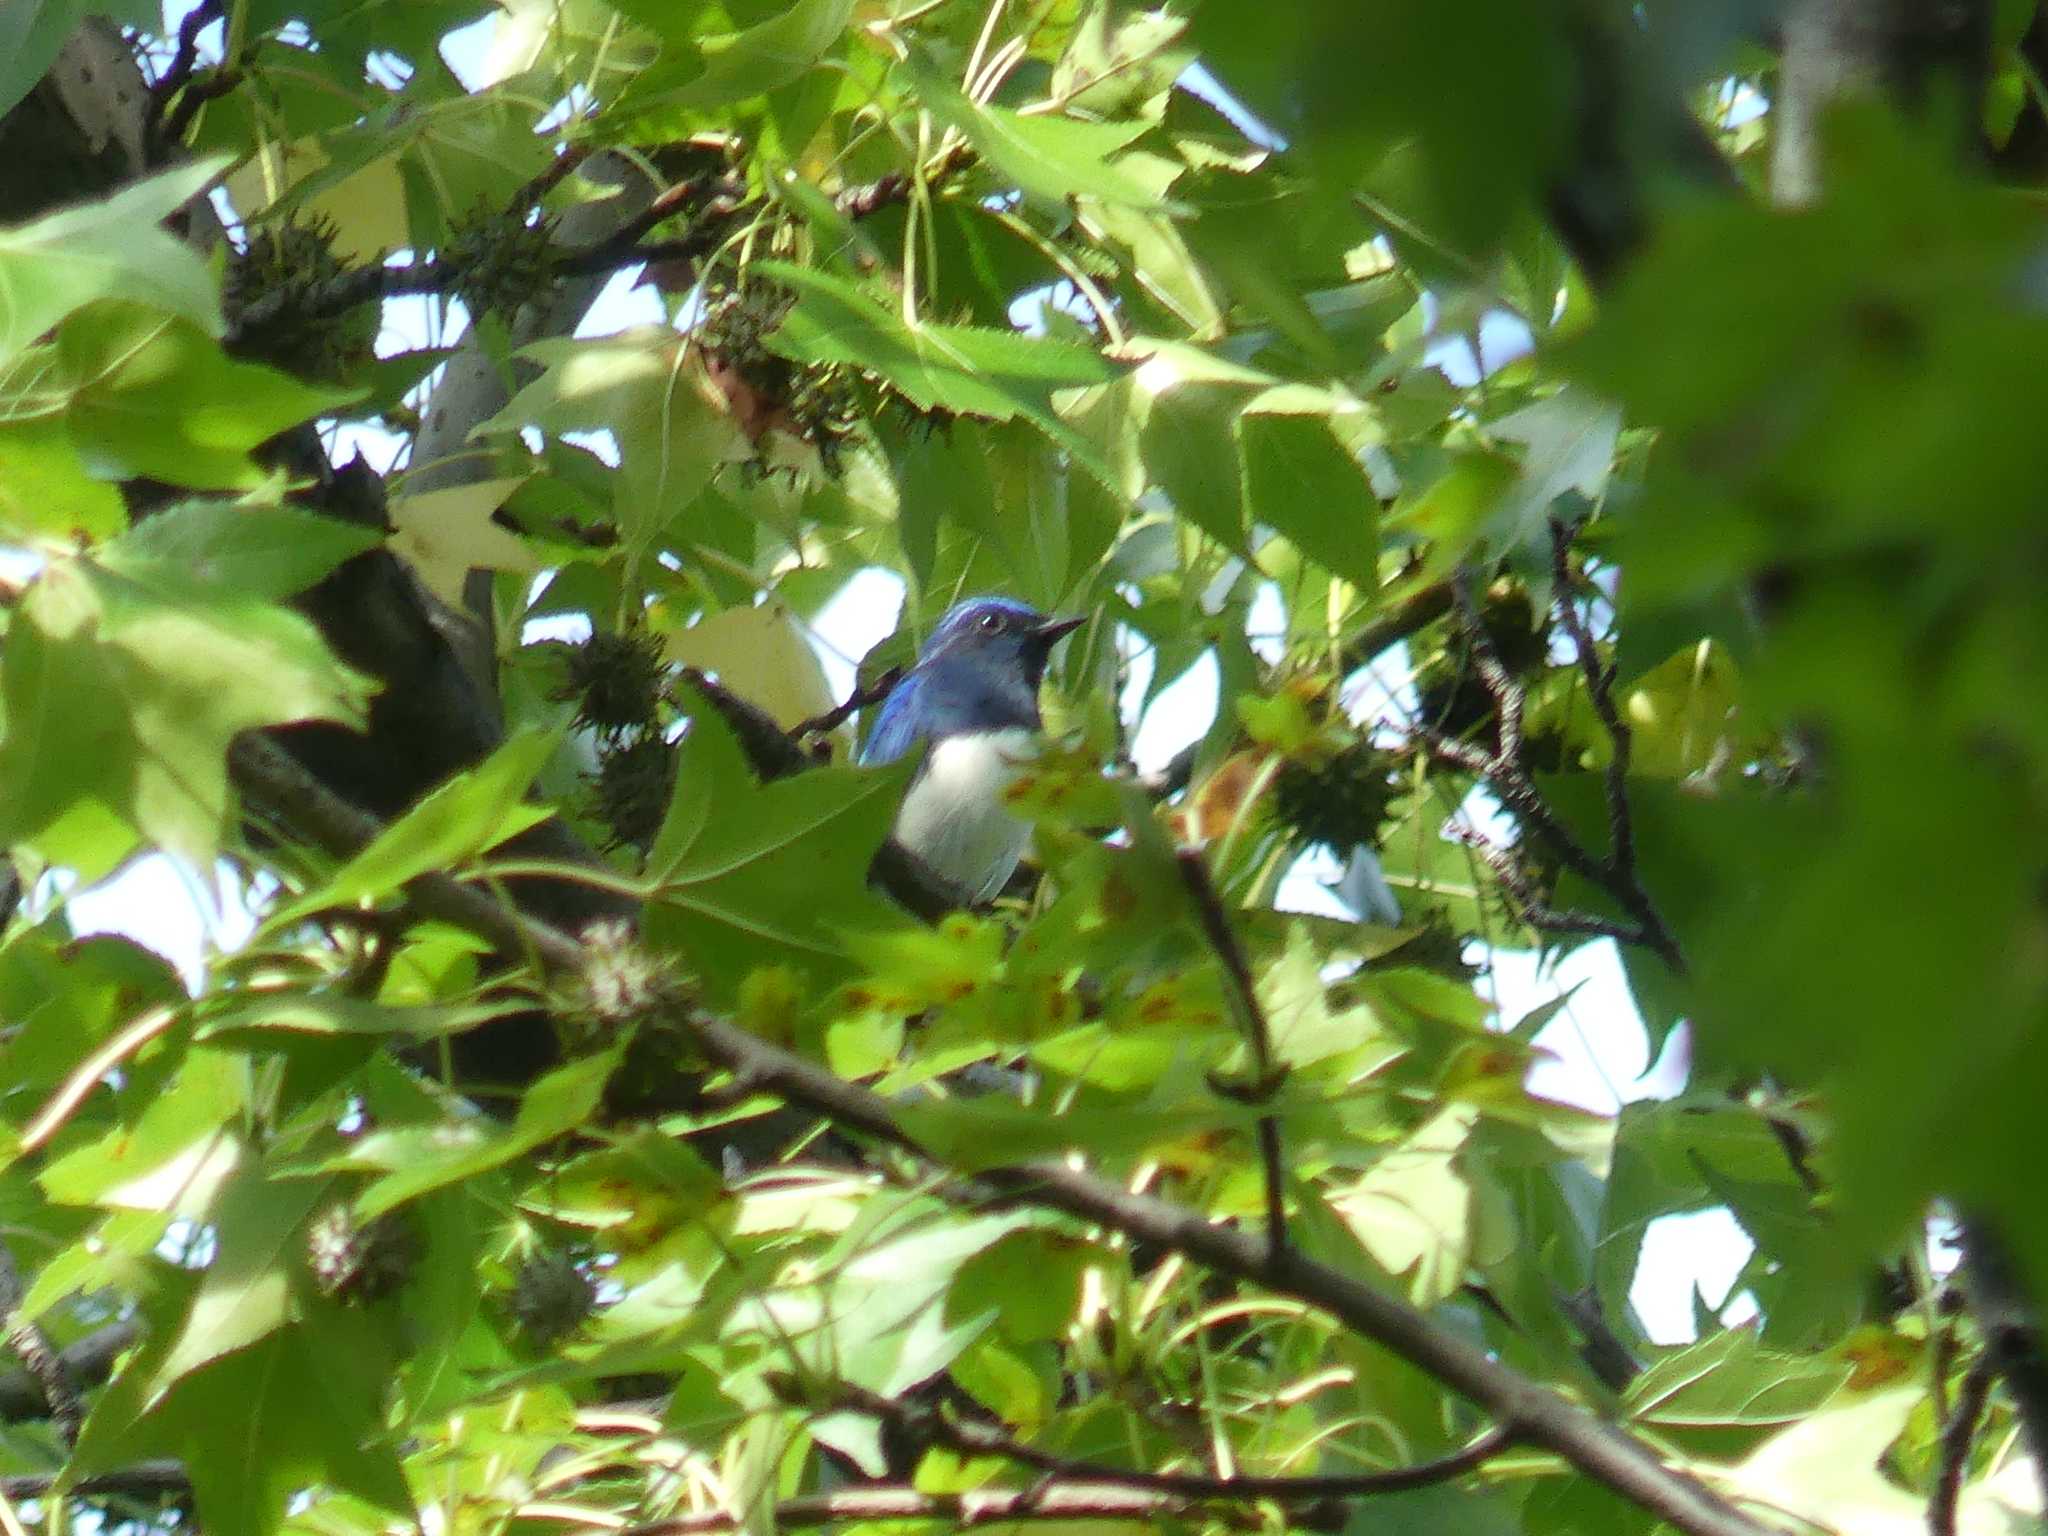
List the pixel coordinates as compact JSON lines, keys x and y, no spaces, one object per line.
{"x":1599,"y":1052}
{"x":161,"y":906}
{"x":1699,"y":1251}
{"x":860,"y":616}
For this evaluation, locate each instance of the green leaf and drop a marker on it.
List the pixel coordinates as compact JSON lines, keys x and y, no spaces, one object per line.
{"x":112,"y":249}
{"x":1050,"y":158}
{"x":1728,"y":1381}
{"x":739,"y":65}
{"x":176,"y":1154}
{"x":1302,"y":482}
{"x":122,"y":696}
{"x":273,"y":552}
{"x":156,"y":396}
{"x":300,"y":1407}
{"x":246,"y":1291}
{"x":415,"y":1159}
{"x":1569,"y":446}
{"x":968,"y":369}
{"x":1415,"y":1212}
{"x":248,"y":1018}
{"x":645,"y":386}
{"x":748,"y":874}
{"x":44,"y":488}
{"x":474,"y":811}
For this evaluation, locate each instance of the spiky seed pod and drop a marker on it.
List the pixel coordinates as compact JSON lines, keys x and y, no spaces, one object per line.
{"x":765,"y":390}
{"x":500,"y":261}
{"x":292,"y":268}
{"x":551,"y":1298}
{"x":622,"y":983}
{"x":1341,"y":802}
{"x":355,"y":1263}
{"x":632,"y":786}
{"x":617,"y":679}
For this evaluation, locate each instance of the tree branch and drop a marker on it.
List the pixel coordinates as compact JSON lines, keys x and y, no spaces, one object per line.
{"x":86,"y":1364}
{"x":2012,"y":1335}
{"x":1215,"y":922}
{"x":1958,"y":1435}
{"x":269,"y":778}
{"x":144,"y":1479}
{"x":927,"y":1425}
{"x":32,"y":1348}
{"x":984,"y":1506}
{"x":1521,"y":1407}
{"x":1507,"y":772}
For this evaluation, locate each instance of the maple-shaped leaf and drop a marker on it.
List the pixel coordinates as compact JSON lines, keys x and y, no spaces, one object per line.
{"x":747,"y":873}
{"x":122,"y":693}
{"x":301,"y":1408}
{"x":444,"y":535}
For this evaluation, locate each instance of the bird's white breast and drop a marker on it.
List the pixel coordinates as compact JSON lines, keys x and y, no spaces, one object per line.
{"x":953,"y":818}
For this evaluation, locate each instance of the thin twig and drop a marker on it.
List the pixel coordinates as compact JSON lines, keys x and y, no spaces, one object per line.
{"x":208,"y":87}
{"x":1530,"y":907}
{"x":1215,"y":921}
{"x":88,"y":1075}
{"x":1506,"y":772}
{"x":178,"y":74}
{"x":1958,"y":1435}
{"x":558,"y":170}
{"x":32,"y":1348}
{"x":858,"y":700}
{"x":927,"y":1425}
{"x":1599,"y":677}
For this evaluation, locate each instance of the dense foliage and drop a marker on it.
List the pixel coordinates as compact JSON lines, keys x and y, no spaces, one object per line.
{"x":606,"y":1127}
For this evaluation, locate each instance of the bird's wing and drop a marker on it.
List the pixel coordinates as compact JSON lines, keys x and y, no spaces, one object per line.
{"x":896,"y":730}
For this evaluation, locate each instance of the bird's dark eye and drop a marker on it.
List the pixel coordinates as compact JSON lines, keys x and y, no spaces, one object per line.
{"x":991,"y":622}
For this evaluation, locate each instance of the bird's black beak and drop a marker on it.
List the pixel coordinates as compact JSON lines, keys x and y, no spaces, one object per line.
{"x":1053,"y":630}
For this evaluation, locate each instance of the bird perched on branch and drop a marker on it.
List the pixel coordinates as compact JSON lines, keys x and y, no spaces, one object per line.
{"x":973,"y":695}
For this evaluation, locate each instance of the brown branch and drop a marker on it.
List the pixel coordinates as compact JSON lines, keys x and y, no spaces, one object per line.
{"x":1958,"y":1435}
{"x":2012,"y":1333}
{"x":926,"y":1425}
{"x":1528,"y":902}
{"x":1215,"y":923}
{"x":858,"y":700}
{"x":87,"y":1362}
{"x":1406,"y":619}
{"x":866,"y":198}
{"x":1522,"y":1408}
{"x":32,"y":1348}
{"x":268,"y":776}
{"x":211,"y":86}
{"x":177,"y":76}
{"x":558,"y":171}
{"x":144,"y":1479}
{"x":1506,"y":771}
{"x":983,"y":1506}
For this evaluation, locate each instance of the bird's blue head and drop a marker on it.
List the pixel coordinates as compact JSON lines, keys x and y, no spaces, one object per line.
{"x":999,"y":633}
{"x":978,"y":671}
